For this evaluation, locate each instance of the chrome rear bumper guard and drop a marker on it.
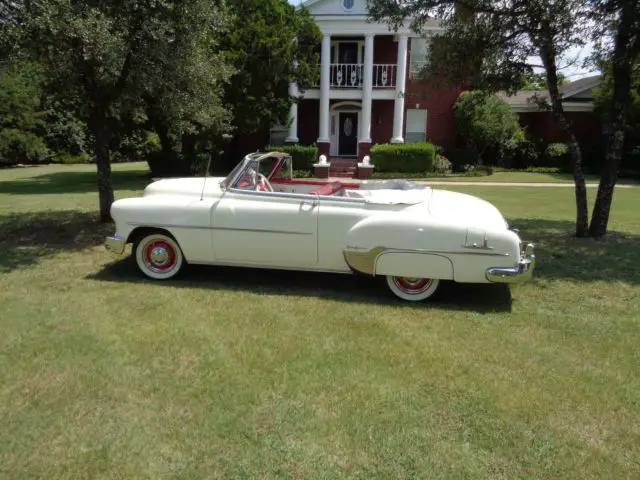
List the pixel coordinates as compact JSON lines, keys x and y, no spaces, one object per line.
{"x":518,"y":274}
{"x":115,"y":244}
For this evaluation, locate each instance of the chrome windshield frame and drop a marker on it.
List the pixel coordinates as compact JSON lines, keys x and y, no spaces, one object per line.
{"x":240,"y":169}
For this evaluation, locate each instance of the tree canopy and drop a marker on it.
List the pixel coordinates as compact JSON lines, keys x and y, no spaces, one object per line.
{"x":493,"y":45}
{"x":103,"y":59}
{"x":270,"y":44}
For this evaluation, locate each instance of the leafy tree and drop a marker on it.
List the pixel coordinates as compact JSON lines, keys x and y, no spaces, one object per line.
{"x":270,"y":44}
{"x":618,"y":38}
{"x":21,"y":115}
{"x":102,"y":58}
{"x":603,"y":99}
{"x":488,"y":45}
{"x":484,"y":121}
{"x":538,"y":81}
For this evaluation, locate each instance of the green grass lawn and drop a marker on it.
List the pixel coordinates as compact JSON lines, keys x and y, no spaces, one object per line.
{"x":236,"y":373}
{"x":528,"y":177}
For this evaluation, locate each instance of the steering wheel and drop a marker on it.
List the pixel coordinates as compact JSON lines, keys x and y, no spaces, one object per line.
{"x":263,"y":184}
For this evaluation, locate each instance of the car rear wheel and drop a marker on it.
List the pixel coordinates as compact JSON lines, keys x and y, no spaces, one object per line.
{"x":158,"y":256}
{"x":412,"y":289}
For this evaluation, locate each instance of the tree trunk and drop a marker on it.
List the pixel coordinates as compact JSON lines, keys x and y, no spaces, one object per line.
{"x":622,"y":65}
{"x":102,"y":134}
{"x":548,"y":57}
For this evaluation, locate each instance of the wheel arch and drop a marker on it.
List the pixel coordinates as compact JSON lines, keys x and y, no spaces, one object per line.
{"x":142,"y":231}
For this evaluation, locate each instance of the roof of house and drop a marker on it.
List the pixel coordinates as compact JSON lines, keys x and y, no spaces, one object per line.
{"x":525,"y":99}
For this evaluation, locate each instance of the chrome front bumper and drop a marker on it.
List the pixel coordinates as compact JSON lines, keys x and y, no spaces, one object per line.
{"x":520,"y":273}
{"x":115,"y":244}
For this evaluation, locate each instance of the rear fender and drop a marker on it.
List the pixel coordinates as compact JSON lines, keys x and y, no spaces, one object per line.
{"x":410,"y":264}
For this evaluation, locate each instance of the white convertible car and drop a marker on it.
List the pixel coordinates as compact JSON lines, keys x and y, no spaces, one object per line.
{"x":259,"y":216}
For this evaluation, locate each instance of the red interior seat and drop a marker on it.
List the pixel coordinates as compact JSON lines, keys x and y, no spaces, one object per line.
{"x":327,"y":189}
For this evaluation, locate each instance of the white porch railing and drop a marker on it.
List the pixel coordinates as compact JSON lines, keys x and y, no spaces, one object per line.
{"x":351,"y":75}
{"x":384,"y":75}
{"x":346,"y":75}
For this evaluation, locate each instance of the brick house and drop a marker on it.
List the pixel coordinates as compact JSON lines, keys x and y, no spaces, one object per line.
{"x":367,"y":93}
{"x":577,"y":99}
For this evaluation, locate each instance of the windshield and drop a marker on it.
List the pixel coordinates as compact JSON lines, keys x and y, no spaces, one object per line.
{"x":270,"y":165}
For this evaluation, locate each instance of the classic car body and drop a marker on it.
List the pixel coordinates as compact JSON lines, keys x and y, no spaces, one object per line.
{"x":259,"y":216}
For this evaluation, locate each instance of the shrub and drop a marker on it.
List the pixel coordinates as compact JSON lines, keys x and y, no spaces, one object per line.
{"x":18,"y":146}
{"x":464,"y":156}
{"x":302,"y":174}
{"x":303,"y":157}
{"x":65,"y":133}
{"x":71,"y":159}
{"x":136,"y":145}
{"x":521,"y":154}
{"x":442,"y":165}
{"x":485,"y":122}
{"x":410,"y":157}
{"x":556,"y":155}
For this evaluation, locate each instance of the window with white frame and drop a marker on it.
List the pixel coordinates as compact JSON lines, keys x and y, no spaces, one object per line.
{"x":416,"y":130}
{"x":418,"y":57}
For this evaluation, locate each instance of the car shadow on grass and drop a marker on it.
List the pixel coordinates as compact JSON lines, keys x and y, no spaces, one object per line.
{"x":561,"y":255}
{"x":348,"y":288}
{"x":73,"y":182}
{"x":28,"y":237}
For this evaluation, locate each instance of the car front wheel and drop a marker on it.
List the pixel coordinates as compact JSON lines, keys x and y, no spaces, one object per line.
{"x":158,"y":256}
{"x":412,"y":289}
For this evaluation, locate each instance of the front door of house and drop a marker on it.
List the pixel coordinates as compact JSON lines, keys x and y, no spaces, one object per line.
{"x":348,"y":134}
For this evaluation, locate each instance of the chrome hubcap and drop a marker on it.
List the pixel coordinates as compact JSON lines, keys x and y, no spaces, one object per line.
{"x":159,"y":255}
{"x":412,"y":285}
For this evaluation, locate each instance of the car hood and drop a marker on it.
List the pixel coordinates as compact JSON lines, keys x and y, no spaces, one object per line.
{"x":465,"y":209}
{"x":185,"y":186}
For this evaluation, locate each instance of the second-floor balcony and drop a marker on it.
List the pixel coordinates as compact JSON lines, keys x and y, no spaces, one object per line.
{"x":351,"y":75}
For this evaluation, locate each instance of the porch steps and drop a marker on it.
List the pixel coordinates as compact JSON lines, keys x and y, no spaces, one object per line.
{"x":343,"y":167}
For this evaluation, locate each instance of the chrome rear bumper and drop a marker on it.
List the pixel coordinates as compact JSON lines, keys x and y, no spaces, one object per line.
{"x":520,"y":273}
{"x":115,"y":244}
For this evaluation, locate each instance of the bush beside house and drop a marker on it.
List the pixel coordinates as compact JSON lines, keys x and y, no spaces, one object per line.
{"x":303,"y":157}
{"x":404,"y":158}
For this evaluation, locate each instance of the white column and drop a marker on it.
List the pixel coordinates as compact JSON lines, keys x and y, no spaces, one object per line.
{"x":325,"y":88}
{"x":293,"y":114}
{"x":398,"y":107}
{"x":367,"y":89}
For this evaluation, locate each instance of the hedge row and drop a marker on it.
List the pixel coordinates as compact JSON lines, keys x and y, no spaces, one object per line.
{"x":303,"y":157}
{"x":408,"y":157}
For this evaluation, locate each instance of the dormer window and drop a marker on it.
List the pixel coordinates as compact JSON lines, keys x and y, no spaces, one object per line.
{"x":347,"y":5}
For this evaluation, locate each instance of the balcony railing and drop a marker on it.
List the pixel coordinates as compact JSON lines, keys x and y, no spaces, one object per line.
{"x":384,"y":75}
{"x":351,"y":75}
{"x":346,"y":75}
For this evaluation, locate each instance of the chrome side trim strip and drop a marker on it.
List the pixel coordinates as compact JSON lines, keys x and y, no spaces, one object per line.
{"x":271,"y":267}
{"x":167,"y":225}
{"x":200,"y":227}
{"x":365,"y":261}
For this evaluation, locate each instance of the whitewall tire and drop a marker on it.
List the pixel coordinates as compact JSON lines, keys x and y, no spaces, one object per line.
{"x":158,"y":256}
{"x":412,"y":289}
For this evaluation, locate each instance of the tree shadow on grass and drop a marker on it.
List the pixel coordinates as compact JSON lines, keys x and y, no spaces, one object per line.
{"x":347,"y":288}
{"x":27,"y":237}
{"x":561,"y":255}
{"x":73,"y":182}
